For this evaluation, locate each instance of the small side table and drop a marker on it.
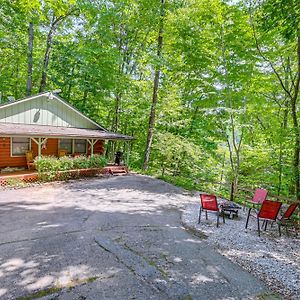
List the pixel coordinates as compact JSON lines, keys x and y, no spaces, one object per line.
{"x":229,"y":208}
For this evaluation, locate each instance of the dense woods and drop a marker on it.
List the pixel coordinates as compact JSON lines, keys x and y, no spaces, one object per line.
{"x":209,"y":88}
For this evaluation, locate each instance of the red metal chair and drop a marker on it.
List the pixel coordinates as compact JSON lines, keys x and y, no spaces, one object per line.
{"x":209,"y":204}
{"x":285,"y":219}
{"x":259,"y":197}
{"x":268,"y":212}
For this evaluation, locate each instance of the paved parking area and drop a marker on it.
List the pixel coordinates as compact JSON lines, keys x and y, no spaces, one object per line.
{"x":110,"y":238}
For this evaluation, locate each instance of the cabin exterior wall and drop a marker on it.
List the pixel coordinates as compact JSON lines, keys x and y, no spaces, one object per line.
{"x":52,"y":145}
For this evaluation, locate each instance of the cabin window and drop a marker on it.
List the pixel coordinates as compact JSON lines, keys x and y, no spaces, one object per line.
{"x":19,"y":146}
{"x":80,"y":146}
{"x":66,"y":144}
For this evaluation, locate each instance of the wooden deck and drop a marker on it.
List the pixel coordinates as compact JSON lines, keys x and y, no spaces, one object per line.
{"x":32,"y":176}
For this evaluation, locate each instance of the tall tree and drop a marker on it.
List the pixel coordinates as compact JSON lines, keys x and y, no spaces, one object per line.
{"x":271,"y":15}
{"x":55,"y":21}
{"x":155,"y":87}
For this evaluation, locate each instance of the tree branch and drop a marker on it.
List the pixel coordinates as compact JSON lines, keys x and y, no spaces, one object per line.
{"x":268,"y":60}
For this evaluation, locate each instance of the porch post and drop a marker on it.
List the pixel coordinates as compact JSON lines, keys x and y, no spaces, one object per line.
{"x":92,"y":142}
{"x":40,"y":141}
{"x":39,"y":148}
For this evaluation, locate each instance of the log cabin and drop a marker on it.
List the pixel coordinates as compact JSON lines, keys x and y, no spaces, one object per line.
{"x":46,"y":124}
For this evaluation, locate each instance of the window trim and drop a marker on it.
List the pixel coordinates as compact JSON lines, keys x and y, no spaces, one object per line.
{"x":73,"y":145}
{"x":72,"y":142}
{"x":11,"y":147}
{"x":86,"y":147}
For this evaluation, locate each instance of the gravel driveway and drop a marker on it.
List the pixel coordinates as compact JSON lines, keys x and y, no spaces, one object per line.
{"x":110,"y":238}
{"x":274,"y":259}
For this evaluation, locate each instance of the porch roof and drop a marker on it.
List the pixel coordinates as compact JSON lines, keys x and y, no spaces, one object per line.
{"x":26,"y":130}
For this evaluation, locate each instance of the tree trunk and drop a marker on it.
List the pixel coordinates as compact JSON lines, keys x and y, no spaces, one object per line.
{"x":235,"y":146}
{"x":155,"y":90}
{"x":17,"y":77}
{"x":29,"y":59}
{"x":234,"y":152}
{"x":70,"y":85}
{"x":223,"y":167}
{"x":51,"y":34}
{"x":232,"y":184}
{"x":296,"y":150}
{"x":115,"y":124}
{"x":84,"y":99}
{"x":292,"y":94}
{"x":281,"y":144}
{"x":296,"y":126}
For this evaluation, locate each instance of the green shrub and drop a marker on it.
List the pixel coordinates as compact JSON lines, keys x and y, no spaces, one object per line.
{"x":97,"y":161}
{"x":66,"y":163}
{"x":48,"y":166}
{"x":81,"y":162}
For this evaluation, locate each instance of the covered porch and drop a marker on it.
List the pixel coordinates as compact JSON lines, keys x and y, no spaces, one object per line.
{"x":17,"y":139}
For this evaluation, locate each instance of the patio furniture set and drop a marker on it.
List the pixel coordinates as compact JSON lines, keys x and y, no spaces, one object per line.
{"x":267,"y":211}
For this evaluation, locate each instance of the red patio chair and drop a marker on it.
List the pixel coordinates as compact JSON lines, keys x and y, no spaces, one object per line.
{"x":285,"y":219}
{"x":259,"y":197}
{"x":209,"y":204}
{"x":268,"y":212}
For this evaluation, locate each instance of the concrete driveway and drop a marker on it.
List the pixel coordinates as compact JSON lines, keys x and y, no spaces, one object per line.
{"x":110,"y":238}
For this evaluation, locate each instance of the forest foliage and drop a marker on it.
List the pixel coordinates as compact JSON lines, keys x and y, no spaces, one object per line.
{"x":218,"y":80}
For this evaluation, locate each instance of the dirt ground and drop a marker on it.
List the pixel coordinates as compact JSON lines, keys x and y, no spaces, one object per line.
{"x":110,"y":238}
